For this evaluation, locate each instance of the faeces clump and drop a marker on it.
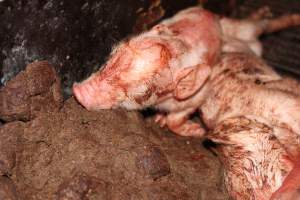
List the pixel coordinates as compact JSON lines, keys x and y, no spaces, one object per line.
{"x":110,"y":153}
{"x":34,"y":90}
{"x":9,"y":143}
{"x":82,"y":186}
{"x":7,"y":189}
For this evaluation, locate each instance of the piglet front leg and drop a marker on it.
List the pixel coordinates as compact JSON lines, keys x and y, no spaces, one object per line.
{"x":179,"y":123}
{"x":187,"y":95}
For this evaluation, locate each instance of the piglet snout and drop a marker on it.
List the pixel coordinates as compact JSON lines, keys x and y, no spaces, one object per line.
{"x":94,"y":96}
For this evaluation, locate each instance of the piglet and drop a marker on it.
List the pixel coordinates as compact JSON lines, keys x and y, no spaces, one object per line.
{"x":255,"y":163}
{"x":168,"y":63}
{"x":255,"y":118}
{"x":167,"y":66}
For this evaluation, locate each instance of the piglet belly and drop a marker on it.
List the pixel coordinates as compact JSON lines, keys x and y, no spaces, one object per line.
{"x":290,"y":188}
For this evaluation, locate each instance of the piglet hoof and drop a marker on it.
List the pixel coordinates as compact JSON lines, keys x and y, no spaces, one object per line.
{"x":189,"y":129}
{"x":161,"y":120}
{"x":195,"y":130}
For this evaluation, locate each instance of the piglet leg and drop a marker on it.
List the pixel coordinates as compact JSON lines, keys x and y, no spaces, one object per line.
{"x":178,"y":123}
{"x":257,"y":24}
{"x":281,"y":23}
{"x":246,"y":32}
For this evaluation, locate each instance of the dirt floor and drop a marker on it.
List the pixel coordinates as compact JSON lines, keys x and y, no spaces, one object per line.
{"x":55,"y":150}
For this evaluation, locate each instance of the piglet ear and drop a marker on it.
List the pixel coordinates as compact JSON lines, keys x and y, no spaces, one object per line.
{"x":189,"y":80}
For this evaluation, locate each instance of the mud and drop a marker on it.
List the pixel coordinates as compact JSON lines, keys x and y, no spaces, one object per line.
{"x":7,"y":189}
{"x":71,"y":153}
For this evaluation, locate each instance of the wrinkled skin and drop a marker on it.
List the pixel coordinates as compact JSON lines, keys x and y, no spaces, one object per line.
{"x":166,"y":67}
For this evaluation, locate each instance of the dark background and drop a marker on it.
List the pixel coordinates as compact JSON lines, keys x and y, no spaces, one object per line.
{"x":76,"y":36}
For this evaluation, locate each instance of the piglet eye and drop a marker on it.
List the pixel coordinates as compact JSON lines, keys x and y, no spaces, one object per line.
{"x":257,"y":81}
{"x":144,"y":96}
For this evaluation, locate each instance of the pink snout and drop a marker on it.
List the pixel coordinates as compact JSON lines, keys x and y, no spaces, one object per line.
{"x":93,"y":96}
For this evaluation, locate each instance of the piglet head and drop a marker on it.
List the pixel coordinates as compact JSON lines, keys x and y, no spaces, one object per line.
{"x":134,"y":77}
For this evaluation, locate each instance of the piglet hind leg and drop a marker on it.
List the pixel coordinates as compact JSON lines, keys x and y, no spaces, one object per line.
{"x":280,"y":23}
{"x":258,"y":23}
{"x":263,"y":25}
{"x":248,"y":30}
{"x":178,"y":123}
